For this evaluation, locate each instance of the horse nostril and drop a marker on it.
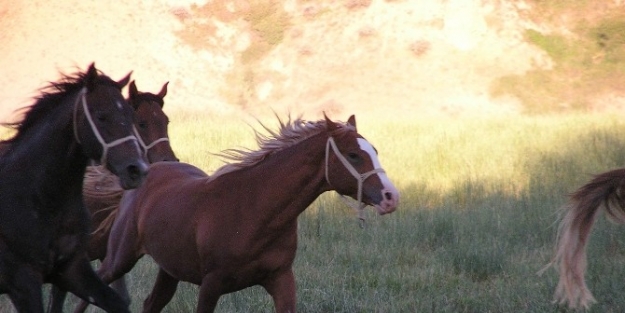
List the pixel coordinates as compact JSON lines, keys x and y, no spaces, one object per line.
{"x":388,"y":196}
{"x":133,"y":171}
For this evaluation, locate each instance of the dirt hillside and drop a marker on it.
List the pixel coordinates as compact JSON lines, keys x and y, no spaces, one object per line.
{"x":252,"y":57}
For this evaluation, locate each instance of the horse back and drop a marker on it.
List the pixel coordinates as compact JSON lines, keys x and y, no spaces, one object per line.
{"x":175,"y":170}
{"x":167,"y":184}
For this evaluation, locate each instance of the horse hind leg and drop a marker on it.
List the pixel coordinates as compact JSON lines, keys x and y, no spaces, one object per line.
{"x":162,"y":292}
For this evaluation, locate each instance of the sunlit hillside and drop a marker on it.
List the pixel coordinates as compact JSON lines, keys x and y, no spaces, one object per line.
{"x":341,"y":56}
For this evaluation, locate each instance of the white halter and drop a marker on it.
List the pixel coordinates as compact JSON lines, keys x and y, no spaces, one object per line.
{"x":145,"y":147}
{"x":359,"y":177}
{"x":105,"y":146}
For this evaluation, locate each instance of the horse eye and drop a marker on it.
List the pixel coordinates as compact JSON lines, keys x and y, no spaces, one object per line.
{"x":101,"y":118}
{"x":143,"y":125}
{"x":353,"y":156}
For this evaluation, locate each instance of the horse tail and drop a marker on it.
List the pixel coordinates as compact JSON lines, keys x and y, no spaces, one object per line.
{"x":580,"y":213}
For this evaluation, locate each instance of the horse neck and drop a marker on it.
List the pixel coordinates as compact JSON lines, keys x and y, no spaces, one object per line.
{"x":291,"y":180}
{"x":48,"y":153}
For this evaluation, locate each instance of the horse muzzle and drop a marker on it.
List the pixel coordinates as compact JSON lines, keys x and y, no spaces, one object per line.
{"x":133,"y":174}
{"x":389,"y":203}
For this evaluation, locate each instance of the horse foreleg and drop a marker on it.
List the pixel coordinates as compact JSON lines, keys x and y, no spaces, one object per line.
{"x":120,"y":287}
{"x":25,"y":290}
{"x":210,"y":291}
{"x":121,"y":255}
{"x":161,"y":294}
{"x":79,"y":278}
{"x":281,"y":287}
{"x":57,"y":298}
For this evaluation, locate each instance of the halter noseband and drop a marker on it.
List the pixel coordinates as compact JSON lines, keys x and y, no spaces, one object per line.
{"x":145,"y":147}
{"x":105,"y":146}
{"x":359,"y":177}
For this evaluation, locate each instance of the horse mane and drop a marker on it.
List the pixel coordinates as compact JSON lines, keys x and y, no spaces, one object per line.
{"x":50,"y":98}
{"x":289,"y":134}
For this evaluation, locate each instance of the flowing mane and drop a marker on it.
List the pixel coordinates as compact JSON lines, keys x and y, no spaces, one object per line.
{"x":289,"y":134}
{"x":49,"y":98}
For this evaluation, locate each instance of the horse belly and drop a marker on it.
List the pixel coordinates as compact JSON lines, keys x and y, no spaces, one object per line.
{"x":180,"y":265}
{"x":173,"y":249}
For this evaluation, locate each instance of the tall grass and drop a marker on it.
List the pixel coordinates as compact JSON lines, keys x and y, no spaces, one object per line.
{"x":475,"y":224}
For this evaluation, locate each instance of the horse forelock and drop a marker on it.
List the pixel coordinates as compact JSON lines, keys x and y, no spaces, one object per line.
{"x":289,"y":134}
{"x":147,"y":97}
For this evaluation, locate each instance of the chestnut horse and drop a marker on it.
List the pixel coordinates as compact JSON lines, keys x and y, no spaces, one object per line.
{"x":151,"y":123}
{"x":151,"y":126}
{"x":238,"y":228}
{"x":43,"y":222}
{"x":604,"y":191}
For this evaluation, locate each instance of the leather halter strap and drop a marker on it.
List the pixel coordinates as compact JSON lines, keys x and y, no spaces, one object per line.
{"x":105,"y":146}
{"x":359,"y":207}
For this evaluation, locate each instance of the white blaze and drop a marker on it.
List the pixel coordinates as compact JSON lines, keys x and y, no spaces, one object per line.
{"x":367,"y":147}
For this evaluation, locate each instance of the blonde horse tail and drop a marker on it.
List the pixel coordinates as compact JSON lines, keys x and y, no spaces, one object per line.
{"x":604,"y":191}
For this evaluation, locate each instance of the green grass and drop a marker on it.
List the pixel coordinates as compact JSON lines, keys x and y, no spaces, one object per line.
{"x":475,"y":224}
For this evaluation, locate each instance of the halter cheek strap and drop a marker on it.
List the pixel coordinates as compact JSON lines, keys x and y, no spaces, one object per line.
{"x":359,"y":177}
{"x":105,"y":146}
{"x":145,"y":147}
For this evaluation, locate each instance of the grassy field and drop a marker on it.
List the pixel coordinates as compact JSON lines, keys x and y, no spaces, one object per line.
{"x":479,"y":200}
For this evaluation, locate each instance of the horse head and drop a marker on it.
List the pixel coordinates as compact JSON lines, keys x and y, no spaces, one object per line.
{"x":151,"y":123}
{"x":353,"y":168}
{"x":103,"y":126}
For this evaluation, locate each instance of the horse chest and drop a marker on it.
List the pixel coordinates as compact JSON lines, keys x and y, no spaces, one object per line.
{"x":68,"y":232}
{"x":45,"y":235}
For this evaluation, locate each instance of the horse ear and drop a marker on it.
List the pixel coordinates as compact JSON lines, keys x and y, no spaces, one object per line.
{"x":163,"y":92}
{"x":124,"y":81}
{"x":132,"y":94}
{"x":132,"y":89}
{"x":352,"y":120}
{"x":331,"y":126}
{"x":91,"y":77}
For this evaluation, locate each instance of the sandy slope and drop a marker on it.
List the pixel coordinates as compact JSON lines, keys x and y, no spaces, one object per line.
{"x":345,"y":56}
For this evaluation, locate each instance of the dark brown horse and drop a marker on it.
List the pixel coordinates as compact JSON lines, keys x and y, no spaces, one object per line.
{"x":151,"y":124}
{"x":238,"y":228}
{"x":43,"y":222}
{"x":605,"y":191}
{"x":102,"y":192}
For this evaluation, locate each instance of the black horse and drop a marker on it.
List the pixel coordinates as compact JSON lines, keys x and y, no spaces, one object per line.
{"x":151,"y":125}
{"x":43,"y":222}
